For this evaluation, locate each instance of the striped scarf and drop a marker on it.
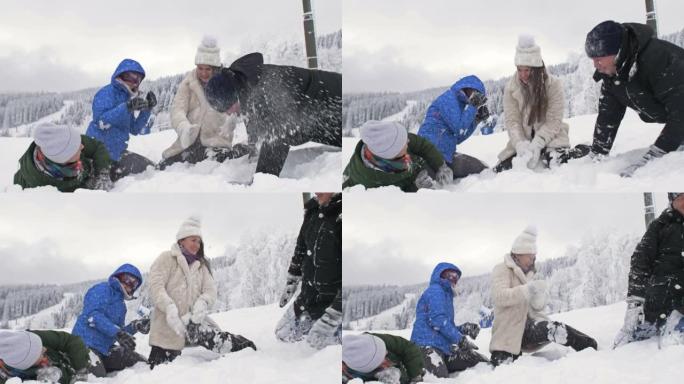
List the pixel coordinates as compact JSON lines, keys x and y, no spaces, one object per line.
{"x":396,"y":165}
{"x":56,"y":170}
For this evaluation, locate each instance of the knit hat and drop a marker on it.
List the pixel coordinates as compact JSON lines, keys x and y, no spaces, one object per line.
{"x":208,"y":53}
{"x":57,"y":142}
{"x":673,"y":195}
{"x":20,"y":349}
{"x":527,"y":53}
{"x":190,"y":227}
{"x":526,"y":242}
{"x":222,"y":90}
{"x":604,"y":40}
{"x":363,"y":353}
{"x":384,"y":138}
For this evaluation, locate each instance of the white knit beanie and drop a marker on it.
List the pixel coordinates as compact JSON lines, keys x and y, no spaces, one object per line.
{"x":190,"y":227}
{"x":527,"y":53}
{"x":384,"y":138}
{"x":363,"y":353}
{"x":57,"y":142}
{"x":20,"y":349}
{"x":208,"y":53}
{"x":526,"y":242}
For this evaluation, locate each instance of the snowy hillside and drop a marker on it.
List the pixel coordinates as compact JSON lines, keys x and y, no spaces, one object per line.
{"x":579,"y":175}
{"x":635,"y":363}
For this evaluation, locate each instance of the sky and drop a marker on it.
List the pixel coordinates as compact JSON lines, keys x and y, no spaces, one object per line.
{"x":406,"y":45}
{"x":62,"y":238}
{"x":398,"y":239}
{"x":69,"y":45}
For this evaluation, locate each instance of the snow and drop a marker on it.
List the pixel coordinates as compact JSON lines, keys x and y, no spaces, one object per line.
{"x":635,"y":363}
{"x":580,"y":175}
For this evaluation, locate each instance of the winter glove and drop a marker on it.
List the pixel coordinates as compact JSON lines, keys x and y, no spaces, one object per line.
{"x":653,"y":153}
{"x":141,"y":325}
{"x":48,"y":374}
{"x":174,"y":322}
{"x":423,"y":180}
{"x":482,"y":114}
{"x":323,"y":331}
{"x":521,"y":147}
{"x":470,"y":329}
{"x":463,"y":345}
{"x":534,"y":151}
{"x":136,"y":104}
{"x":125,"y":340}
{"x":290,"y":288}
{"x":633,"y":317}
{"x":537,"y":293}
{"x":151,"y":100}
{"x":100,"y":181}
{"x":240,"y":342}
{"x":80,"y":375}
{"x":188,"y":135}
{"x":200,"y":310}
{"x":445,"y":175}
{"x":477,"y":99}
{"x":389,"y":375}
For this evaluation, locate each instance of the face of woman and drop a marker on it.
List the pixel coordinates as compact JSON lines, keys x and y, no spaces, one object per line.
{"x":524,"y":74}
{"x":526,"y":261}
{"x":191,"y":244}
{"x":204,"y":72}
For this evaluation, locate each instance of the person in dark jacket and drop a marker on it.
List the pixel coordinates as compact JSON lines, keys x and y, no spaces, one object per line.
{"x":316,"y":312}
{"x":452,"y":118}
{"x":381,"y":357}
{"x":63,"y":158}
{"x":45,"y":356}
{"x":285,"y":106}
{"x":114,"y":117}
{"x":444,"y":345}
{"x":655,"y":294}
{"x":641,"y":72}
{"x":101,"y":323}
{"x":388,"y":155}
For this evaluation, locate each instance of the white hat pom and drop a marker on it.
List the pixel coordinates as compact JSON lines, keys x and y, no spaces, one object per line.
{"x":209,"y":41}
{"x":525,"y":41}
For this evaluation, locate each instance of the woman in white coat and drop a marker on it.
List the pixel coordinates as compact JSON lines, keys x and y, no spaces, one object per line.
{"x":183,"y":290}
{"x":202,"y":131}
{"x":519,"y":324}
{"x":533,"y":108}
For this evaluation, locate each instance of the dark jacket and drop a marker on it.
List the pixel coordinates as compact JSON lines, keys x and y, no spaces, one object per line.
{"x":650,"y":80}
{"x":402,"y":353}
{"x":94,"y":157}
{"x":318,"y":258}
{"x":422,"y":152}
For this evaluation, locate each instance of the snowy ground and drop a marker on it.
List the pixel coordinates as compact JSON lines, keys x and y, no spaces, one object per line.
{"x":579,"y":175}
{"x":273,"y":362}
{"x":635,"y":363}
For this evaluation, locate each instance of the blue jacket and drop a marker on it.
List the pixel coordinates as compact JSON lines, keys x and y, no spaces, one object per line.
{"x":112,"y":121}
{"x":434,"y":325}
{"x":450,"y":120}
{"x":104,"y":312}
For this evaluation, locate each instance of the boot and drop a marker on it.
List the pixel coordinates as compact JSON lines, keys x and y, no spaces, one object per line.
{"x":578,"y":340}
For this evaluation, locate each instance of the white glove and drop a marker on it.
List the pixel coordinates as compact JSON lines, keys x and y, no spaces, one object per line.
{"x":200,"y":310}
{"x":323,"y":331}
{"x":174,"y":321}
{"x":49,"y":374}
{"x":445,"y":175}
{"x":534,"y":151}
{"x":291,"y":285}
{"x":423,"y":180}
{"x":538,"y":291}
{"x":634,"y":315}
{"x":188,"y":135}
{"x":653,"y":153}
{"x":521,"y":147}
{"x":389,"y":375}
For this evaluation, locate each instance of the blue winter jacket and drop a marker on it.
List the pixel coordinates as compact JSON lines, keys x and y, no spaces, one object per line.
{"x":112,"y":121}
{"x":434,"y":325}
{"x":450,"y":120}
{"x":104,"y":312}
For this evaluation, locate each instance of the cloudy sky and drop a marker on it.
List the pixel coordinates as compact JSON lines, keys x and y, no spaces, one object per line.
{"x":73,"y":44}
{"x":58,"y":238}
{"x":399,"y":238}
{"x":407,"y":45}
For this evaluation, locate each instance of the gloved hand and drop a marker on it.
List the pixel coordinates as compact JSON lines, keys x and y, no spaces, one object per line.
{"x":482,"y":114}
{"x":141,"y":325}
{"x":634,"y":315}
{"x":463,"y":345}
{"x":323,"y":331}
{"x":445,"y":175}
{"x":188,"y":135}
{"x":240,"y":342}
{"x":521,"y":147}
{"x":49,"y":374}
{"x":389,"y":375}
{"x":653,"y":153}
{"x":477,"y":99}
{"x":100,"y":181}
{"x":80,"y":375}
{"x":537,"y":290}
{"x":470,"y":329}
{"x":174,"y":321}
{"x":136,"y":104}
{"x":423,"y":180}
{"x":151,"y":100}
{"x":200,"y":310}
{"x":534,"y":151}
{"x":290,"y":288}
{"x":125,"y":340}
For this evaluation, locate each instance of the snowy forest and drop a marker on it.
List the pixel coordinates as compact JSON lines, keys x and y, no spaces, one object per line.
{"x":581,"y":95}
{"x":19,"y":109}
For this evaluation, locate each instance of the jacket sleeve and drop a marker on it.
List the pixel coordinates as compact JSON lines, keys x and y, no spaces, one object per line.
{"x":425,"y":149}
{"x":141,"y":124}
{"x":97,"y":151}
{"x":180,"y":107}
{"x":512,"y":116}
{"x":409,"y":353}
{"x":295,"y":268}
{"x":643,"y":258}
{"x":668,"y":86}
{"x":93,"y":306}
{"x":439,"y":320}
{"x":107,"y":114}
{"x":208,"y":288}
{"x":554,"y":113}
{"x":160,"y":272}
{"x":460,"y":122}
{"x":502,"y":294}
{"x":610,"y":115}
{"x":72,"y":346}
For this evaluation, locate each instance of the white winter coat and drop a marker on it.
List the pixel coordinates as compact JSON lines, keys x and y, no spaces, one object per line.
{"x":553,"y":130}
{"x":190,"y":106}
{"x":512,"y":306}
{"x":172,"y":280}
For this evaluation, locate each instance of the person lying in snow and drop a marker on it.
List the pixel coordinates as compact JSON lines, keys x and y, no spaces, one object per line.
{"x":381,"y":357}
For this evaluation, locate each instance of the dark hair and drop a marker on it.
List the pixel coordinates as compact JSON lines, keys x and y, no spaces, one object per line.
{"x":534,"y":95}
{"x":201,"y":257}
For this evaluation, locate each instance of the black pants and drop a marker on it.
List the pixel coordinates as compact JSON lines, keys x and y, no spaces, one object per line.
{"x":549,"y":155}
{"x":198,"y":152}
{"x":459,"y":361}
{"x":119,"y":358}
{"x":464,"y":165}
{"x":130,"y":163}
{"x":159,"y":355}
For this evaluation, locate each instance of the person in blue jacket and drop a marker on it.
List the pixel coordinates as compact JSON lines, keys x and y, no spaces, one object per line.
{"x":101,"y":323}
{"x":452,"y":118}
{"x":114,"y":117}
{"x":434,"y":330}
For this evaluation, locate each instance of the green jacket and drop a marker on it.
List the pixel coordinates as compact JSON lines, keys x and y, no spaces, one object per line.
{"x":94,"y":158}
{"x":65,"y":351}
{"x":402,"y":353}
{"x":423,"y":153}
